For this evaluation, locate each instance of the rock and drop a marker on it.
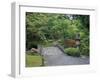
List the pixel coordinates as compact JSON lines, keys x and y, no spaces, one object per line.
{"x":34,"y":50}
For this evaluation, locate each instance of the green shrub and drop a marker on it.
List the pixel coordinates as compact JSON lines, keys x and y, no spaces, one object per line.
{"x":84,"y":47}
{"x":47,"y":44}
{"x":61,"y":42}
{"x":72,"y":52}
{"x":84,"y":50}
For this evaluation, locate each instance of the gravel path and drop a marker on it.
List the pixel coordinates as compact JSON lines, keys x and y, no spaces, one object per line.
{"x":54,"y":56}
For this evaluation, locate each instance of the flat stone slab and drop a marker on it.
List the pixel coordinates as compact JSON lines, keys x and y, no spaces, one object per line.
{"x":51,"y":51}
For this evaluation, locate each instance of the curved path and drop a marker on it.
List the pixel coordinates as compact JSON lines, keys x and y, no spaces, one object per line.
{"x":54,"y":56}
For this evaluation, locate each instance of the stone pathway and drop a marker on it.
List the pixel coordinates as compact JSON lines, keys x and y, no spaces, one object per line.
{"x":54,"y":56}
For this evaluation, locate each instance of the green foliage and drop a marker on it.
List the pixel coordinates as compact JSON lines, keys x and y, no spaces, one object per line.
{"x":47,"y":28}
{"x":61,"y":42}
{"x":72,"y":51}
{"x":84,"y":47}
{"x":40,"y":27}
{"x":48,"y":43}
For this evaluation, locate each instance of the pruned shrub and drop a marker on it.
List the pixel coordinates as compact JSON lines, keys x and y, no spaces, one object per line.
{"x":72,"y":51}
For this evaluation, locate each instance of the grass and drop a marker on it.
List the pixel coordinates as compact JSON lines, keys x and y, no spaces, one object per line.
{"x":33,"y":60}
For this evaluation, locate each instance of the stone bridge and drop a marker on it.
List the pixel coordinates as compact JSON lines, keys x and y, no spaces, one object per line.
{"x":54,"y":56}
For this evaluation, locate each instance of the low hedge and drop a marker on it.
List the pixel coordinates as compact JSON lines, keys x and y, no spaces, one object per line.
{"x":72,"y":51}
